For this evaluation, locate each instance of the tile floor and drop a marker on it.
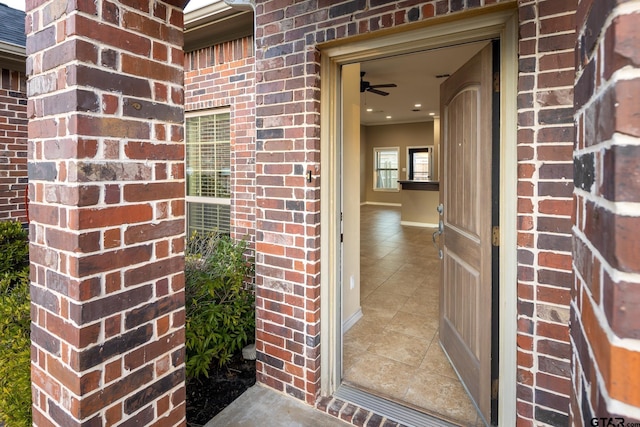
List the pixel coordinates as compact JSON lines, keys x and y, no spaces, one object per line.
{"x":393,"y":349}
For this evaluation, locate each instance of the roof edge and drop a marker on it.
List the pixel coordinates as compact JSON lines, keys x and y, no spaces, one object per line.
{"x":13,"y":49}
{"x":216,"y":23}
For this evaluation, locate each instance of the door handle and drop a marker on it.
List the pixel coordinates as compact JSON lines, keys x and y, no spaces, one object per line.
{"x":436,"y":234}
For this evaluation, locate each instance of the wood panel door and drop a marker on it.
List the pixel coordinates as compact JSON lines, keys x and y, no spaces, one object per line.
{"x":465,"y":296}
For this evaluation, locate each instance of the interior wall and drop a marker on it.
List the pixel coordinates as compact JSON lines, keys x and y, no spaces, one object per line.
{"x":351,"y":143}
{"x":397,"y":135}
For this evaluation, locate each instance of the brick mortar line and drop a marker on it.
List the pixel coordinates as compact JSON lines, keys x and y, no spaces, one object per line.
{"x":74,"y":301}
{"x":597,"y":95}
{"x":593,"y":58}
{"x":618,"y":139}
{"x":619,"y":208}
{"x":624,"y":408}
{"x":630,"y":344}
{"x":616,"y":275}
{"x":122,"y":7}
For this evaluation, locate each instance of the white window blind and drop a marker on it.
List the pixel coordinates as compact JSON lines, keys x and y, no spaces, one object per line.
{"x":385,"y":168}
{"x":208,"y":162}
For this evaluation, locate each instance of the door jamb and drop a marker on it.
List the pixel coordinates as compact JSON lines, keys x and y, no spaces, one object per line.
{"x":502,"y":23}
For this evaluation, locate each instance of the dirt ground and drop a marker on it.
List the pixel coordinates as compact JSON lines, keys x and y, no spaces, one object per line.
{"x":208,"y":396}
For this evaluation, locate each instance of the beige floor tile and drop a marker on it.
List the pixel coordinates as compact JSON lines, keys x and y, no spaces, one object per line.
{"x":416,"y":326}
{"x":428,"y":288}
{"x":441,"y":395}
{"x":429,"y":309}
{"x":436,"y":361}
{"x":399,"y":287}
{"x":384,"y":299}
{"x":379,"y":271}
{"x":381,"y":374}
{"x":351,"y":352}
{"x":400,"y":347}
{"x":378,"y":314}
{"x":363,"y":330}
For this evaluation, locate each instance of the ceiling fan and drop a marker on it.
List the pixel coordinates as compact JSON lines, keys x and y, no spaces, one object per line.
{"x":368,"y":87}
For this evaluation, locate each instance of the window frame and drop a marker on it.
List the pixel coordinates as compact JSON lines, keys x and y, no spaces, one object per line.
{"x":207,"y":199}
{"x":376,"y":150}
{"x":430,"y":150}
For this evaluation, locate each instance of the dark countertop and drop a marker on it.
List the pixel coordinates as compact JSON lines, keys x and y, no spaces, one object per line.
{"x":420,"y":185}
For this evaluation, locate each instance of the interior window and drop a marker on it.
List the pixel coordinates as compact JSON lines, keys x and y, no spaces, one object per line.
{"x":420,"y":164}
{"x":385,"y":168}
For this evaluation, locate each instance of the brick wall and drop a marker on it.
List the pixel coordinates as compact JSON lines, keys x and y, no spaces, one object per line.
{"x":605,"y":305}
{"x":287,"y":208}
{"x":106,"y":179}
{"x":13,"y":145}
{"x":545,"y":145}
{"x":223,"y":76}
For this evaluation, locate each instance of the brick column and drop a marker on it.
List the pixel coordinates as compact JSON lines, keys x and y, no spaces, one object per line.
{"x":605,"y":306}
{"x":545,"y":146}
{"x":107,"y":208}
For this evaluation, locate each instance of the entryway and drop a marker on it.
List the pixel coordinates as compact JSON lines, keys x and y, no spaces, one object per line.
{"x":412,"y":314}
{"x":335,"y":360}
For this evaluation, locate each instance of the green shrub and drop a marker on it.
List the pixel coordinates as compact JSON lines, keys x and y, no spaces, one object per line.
{"x":14,"y":244}
{"x":220,"y":309}
{"x":15,"y":323}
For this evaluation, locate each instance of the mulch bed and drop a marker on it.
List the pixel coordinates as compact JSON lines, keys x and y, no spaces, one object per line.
{"x":208,"y":396}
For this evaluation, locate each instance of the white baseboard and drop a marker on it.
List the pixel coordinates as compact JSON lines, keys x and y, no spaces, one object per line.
{"x":352,"y":320}
{"x":419,"y":224}
{"x":382,"y":204}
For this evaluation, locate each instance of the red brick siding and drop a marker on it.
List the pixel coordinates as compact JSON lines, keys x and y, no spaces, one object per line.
{"x":224,"y":76}
{"x":287,"y":238}
{"x":605,"y":305}
{"x":106,"y":182}
{"x":545,"y":205}
{"x":13,"y":145}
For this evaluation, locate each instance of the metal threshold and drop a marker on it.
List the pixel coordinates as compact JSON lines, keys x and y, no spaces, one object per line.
{"x":389,"y":409}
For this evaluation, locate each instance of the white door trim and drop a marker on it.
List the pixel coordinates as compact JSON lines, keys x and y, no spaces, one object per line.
{"x":475,"y":25}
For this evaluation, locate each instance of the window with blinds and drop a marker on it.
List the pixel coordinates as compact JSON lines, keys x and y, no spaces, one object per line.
{"x":385,"y":168}
{"x":208,"y":163}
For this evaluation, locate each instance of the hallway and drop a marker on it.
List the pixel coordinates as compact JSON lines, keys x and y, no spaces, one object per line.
{"x":393,"y":350}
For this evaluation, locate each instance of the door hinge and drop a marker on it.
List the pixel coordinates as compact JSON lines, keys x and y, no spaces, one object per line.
{"x":495,"y":235}
{"x":496,"y":81}
{"x":341,"y":237}
{"x":494,"y":389}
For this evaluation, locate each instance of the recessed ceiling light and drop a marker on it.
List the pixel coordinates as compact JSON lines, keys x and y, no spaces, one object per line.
{"x":388,"y":117}
{"x":418,"y":105}
{"x":369,"y":110}
{"x":432,"y":114}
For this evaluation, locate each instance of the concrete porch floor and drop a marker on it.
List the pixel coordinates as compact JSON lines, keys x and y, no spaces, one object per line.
{"x":260,"y":406}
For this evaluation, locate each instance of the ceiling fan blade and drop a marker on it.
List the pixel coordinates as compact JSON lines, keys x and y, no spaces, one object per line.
{"x":378,"y":92}
{"x":385,"y":85}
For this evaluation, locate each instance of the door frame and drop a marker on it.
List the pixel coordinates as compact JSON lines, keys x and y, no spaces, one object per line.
{"x":496,"y":21}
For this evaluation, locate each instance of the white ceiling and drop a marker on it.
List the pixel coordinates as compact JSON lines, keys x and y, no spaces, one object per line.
{"x":415,"y":74}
